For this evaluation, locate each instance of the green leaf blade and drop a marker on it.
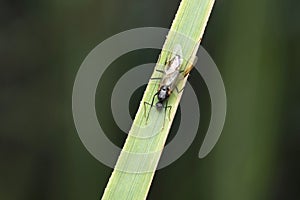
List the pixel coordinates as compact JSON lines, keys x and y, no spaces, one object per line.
{"x":133,"y":174}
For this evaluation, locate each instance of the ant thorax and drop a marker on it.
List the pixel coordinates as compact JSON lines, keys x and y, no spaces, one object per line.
{"x":163,"y":93}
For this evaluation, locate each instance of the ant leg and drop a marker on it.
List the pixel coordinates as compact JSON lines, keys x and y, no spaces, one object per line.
{"x":145,"y":107}
{"x":179,"y":91}
{"x":146,"y":103}
{"x":165,"y":114}
{"x":155,"y":78}
{"x":161,"y":71}
{"x":169,"y":114}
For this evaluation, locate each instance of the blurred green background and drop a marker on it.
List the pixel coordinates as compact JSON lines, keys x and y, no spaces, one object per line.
{"x":255,"y":45}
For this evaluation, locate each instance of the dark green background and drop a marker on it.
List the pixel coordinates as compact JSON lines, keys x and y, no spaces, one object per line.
{"x":255,"y":45}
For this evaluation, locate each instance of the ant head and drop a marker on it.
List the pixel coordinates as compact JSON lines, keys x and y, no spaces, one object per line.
{"x":164,"y":88}
{"x":159,"y":105}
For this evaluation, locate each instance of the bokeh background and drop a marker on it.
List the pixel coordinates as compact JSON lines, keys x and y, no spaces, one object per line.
{"x":255,"y":45}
